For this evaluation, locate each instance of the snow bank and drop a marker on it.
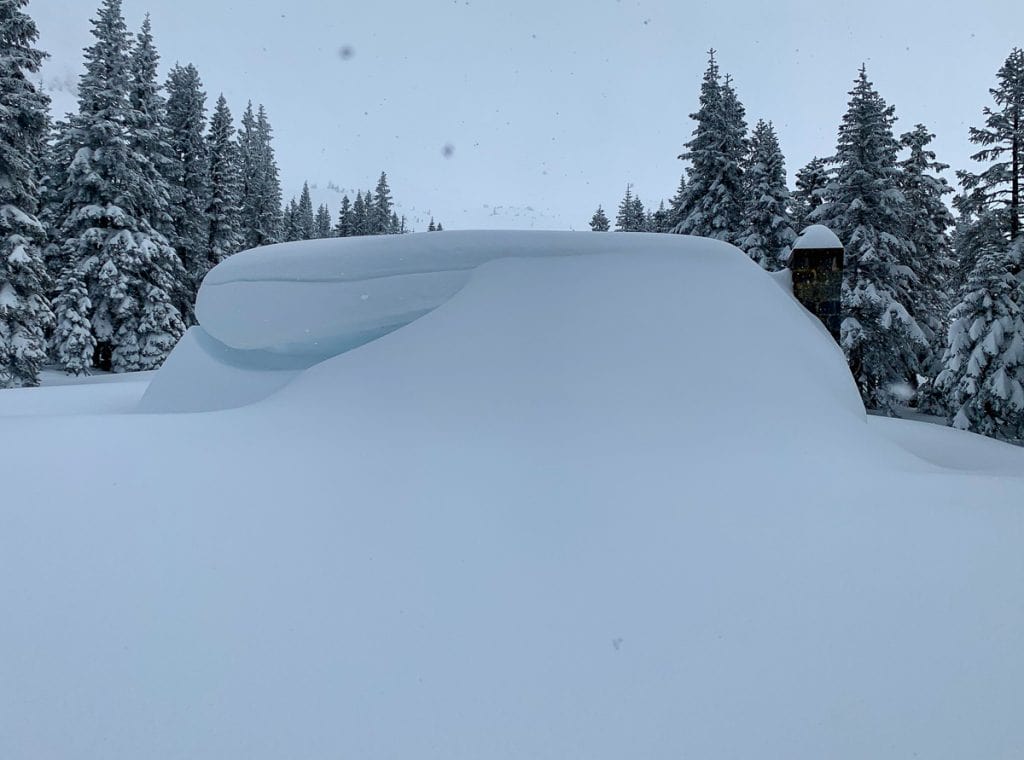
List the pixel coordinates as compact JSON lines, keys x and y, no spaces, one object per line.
{"x":607,"y":506}
{"x":321,"y":298}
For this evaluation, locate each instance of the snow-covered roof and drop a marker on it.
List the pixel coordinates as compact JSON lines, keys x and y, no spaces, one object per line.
{"x":817,"y":236}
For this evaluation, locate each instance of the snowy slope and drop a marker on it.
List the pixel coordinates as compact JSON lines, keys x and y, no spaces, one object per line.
{"x":638,"y":512}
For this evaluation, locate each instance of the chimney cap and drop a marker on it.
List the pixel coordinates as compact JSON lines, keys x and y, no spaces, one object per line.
{"x":817,"y":237}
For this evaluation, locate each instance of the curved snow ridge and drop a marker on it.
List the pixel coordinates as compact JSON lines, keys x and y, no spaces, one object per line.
{"x":320,"y":298}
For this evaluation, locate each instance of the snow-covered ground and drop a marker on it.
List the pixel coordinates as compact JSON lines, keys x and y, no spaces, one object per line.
{"x":625,"y":503}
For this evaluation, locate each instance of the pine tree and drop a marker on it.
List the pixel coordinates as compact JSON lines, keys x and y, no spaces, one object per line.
{"x":149,"y":133}
{"x":767,"y":229}
{"x":598,"y":222}
{"x":396,"y":227}
{"x":811,"y":182}
{"x":439,"y":227}
{"x":714,"y":200}
{"x":865,"y":207}
{"x":261,"y":187}
{"x":677,"y":205}
{"x":432,"y":227}
{"x":305,"y":221}
{"x":640,"y":215}
{"x":345,"y":225}
{"x":630,"y":216}
{"x":107,"y":237}
{"x":290,"y":231}
{"x":360,"y":216}
{"x":223,"y":208}
{"x":186,"y":120}
{"x":380,"y":215}
{"x":983,"y":373}
{"x":929,"y":222}
{"x":322,"y":226}
{"x":660,"y":220}
{"x":73,"y":343}
{"x":25,"y":313}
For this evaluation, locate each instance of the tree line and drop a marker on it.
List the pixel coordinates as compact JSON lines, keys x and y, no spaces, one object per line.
{"x":111,"y":218}
{"x":933,"y":293}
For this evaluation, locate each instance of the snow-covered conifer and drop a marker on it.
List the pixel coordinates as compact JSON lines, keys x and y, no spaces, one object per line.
{"x":25,"y":313}
{"x":223,"y":209}
{"x":345,"y":225}
{"x":811,"y":182}
{"x":261,"y":186}
{"x":768,"y":232}
{"x":186,"y":122}
{"x":305,"y":220}
{"x":865,"y":207}
{"x":714,"y":200}
{"x":382,"y":207}
{"x":598,"y":222}
{"x":322,"y":225}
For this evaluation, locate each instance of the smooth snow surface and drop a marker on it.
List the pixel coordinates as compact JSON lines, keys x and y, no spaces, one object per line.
{"x":817,"y":236}
{"x":612,"y":506}
{"x":323,"y":297}
{"x":66,"y":394}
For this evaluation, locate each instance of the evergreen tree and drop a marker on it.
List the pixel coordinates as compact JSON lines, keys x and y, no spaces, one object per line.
{"x":261,"y":187}
{"x":346,"y":223}
{"x":767,"y":229}
{"x":322,"y":228}
{"x":360,"y":216}
{"x":640,"y":215}
{"x":983,"y":373}
{"x":714,"y":201}
{"x":630,"y":216}
{"x":929,"y":222}
{"x":677,"y":205}
{"x":660,"y":220}
{"x":148,"y":132}
{"x":598,"y":222}
{"x":397,"y":226}
{"x":122,"y":262}
{"x":223,"y":208}
{"x":305,"y":221}
{"x":290,"y":228}
{"x":432,"y":227}
{"x":864,"y":206}
{"x":380,"y":214}
{"x":811,"y":182}
{"x":186,"y":120}
{"x":73,"y":343}
{"x":439,"y":227}
{"x":24,"y":310}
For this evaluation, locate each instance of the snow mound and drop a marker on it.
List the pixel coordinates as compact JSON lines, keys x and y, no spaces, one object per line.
{"x":817,"y":236}
{"x":320,"y":298}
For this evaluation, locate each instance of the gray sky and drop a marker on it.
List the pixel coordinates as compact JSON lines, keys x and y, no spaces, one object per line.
{"x":551,"y":106}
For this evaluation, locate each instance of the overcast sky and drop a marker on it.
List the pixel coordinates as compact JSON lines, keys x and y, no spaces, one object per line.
{"x":549,"y":106}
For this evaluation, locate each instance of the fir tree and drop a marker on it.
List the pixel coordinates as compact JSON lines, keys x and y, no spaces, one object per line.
{"x":864,"y":206}
{"x":439,"y":227}
{"x":305,"y":221}
{"x":432,"y":227}
{"x":290,"y":229}
{"x":714,"y":201}
{"x":767,"y":229}
{"x":223,"y":209}
{"x":660,"y":220}
{"x":261,"y":187}
{"x":149,"y":133}
{"x":107,"y":237}
{"x":983,"y":363}
{"x":397,"y":227}
{"x":24,"y":310}
{"x":811,"y":182}
{"x":630,"y":216}
{"x":73,"y":343}
{"x":322,"y":227}
{"x":983,"y":374}
{"x":677,"y":205}
{"x":598,"y":222}
{"x":929,"y":222}
{"x":346,"y":224}
{"x":186,"y":120}
{"x":360,"y":216}
{"x":380,"y":214}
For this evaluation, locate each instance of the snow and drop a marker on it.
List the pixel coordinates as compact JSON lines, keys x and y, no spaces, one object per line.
{"x":553,"y":517}
{"x":322,"y":297}
{"x":817,"y":236}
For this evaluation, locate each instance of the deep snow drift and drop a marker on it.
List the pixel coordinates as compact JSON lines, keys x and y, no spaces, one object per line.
{"x":602,"y":506}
